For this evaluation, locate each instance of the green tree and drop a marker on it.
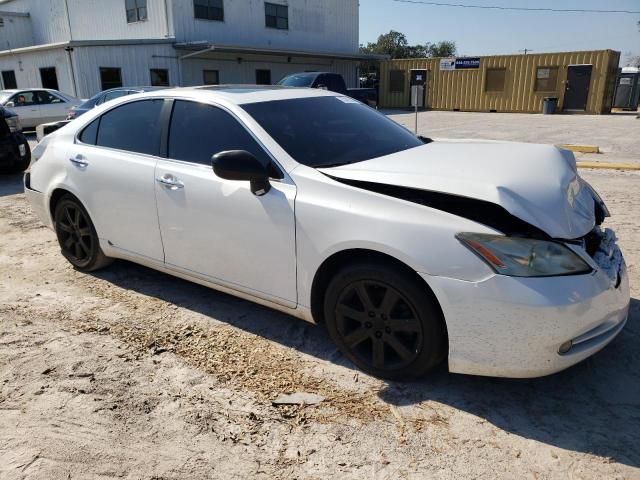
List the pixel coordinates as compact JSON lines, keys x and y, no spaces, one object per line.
{"x":395,"y":45}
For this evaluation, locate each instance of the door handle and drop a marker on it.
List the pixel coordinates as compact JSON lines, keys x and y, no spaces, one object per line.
{"x":79,"y":161}
{"x":170,"y":182}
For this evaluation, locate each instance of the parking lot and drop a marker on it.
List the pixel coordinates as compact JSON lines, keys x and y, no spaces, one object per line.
{"x":129,"y":373}
{"x":616,"y":135}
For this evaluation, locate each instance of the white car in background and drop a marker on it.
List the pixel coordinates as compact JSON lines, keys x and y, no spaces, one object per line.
{"x":490,"y":255}
{"x":35,"y":106}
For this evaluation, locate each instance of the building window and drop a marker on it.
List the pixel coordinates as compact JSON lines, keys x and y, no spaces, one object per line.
{"x":208,"y":10}
{"x":495,"y":79}
{"x":276,"y":16}
{"x":263,"y":77}
{"x":397,"y":81}
{"x":136,"y":10}
{"x":49,"y":78}
{"x":110,"y":78}
{"x":211,"y":77}
{"x":9,"y":79}
{"x":159,"y":77}
{"x":546,"y":79}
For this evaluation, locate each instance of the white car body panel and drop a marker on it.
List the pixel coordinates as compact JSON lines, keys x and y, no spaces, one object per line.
{"x":208,"y":214}
{"x":272,"y":246}
{"x":536,"y":183}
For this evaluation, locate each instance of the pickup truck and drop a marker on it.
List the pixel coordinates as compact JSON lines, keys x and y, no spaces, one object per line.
{"x":333,"y":82}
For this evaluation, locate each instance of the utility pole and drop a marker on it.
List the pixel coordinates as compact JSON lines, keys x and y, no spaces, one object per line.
{"x":526,"y":50}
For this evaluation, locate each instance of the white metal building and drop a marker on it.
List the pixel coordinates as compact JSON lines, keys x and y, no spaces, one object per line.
{"x":83,"y":46}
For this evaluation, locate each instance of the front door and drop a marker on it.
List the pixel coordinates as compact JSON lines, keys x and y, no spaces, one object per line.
{"x":577,"y":87}
{"x":218,"y":229}
{"x":52,"y":107}
{"x":26,"y":105}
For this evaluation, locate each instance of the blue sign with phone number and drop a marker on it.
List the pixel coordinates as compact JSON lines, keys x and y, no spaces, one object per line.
{"x":467,"y":62}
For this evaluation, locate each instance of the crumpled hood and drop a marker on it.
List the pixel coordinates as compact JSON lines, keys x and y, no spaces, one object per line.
{"x":539,"y":184}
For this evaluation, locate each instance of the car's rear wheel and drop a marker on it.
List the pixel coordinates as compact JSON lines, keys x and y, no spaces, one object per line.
{"x":385,"y":321}
{"x":77,"y":236}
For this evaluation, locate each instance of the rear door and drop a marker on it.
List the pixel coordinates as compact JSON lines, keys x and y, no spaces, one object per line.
{"x":577,"y":87}
{"x":112,"y":166}
{"x":218,"y":229}
{"x":52,"y":107}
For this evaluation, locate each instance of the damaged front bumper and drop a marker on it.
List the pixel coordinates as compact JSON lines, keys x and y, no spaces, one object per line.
{"x":529,"y":327}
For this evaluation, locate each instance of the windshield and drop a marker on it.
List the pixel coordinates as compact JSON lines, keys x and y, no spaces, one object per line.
{"x":298,"y":80}
{"x":330,"y":131}
{"x":4,"y":96}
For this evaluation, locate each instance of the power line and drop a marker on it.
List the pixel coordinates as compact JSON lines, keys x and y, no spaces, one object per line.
{"x":520,"y":9}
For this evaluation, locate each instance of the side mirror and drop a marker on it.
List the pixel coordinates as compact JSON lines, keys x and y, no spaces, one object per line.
{"x":242,"y":166}
{"x":10,"y":104}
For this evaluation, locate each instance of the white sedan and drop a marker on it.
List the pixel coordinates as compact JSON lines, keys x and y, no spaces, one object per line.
{"x":489,"y":255}
{"x":35,"y":106}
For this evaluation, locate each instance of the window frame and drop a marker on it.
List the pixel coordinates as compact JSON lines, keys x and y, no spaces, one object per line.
{"x":278,"y":168}
{"x":6,"y":73}
{"x":151,"y":70}
{"x":55,"y":74}
{"x":204,"y":75}
{"x":557,"y":78}
{"x":139,"y":5}
{"x":277,"y":16}
{"x":209,"y":8}
{"x":163,"y":127}
{"x":404,"y":81}
{"x":504,"y":80}
{"x":100,"y":71}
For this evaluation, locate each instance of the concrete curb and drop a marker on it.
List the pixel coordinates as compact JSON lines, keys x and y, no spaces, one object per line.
{"x":609,"y":166}
{"x":581,"y":148}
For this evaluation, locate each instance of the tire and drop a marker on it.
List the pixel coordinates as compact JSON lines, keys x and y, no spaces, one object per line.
{"x":77,"y":236}
{"x":21,"y":164}
{"x":385,"y":321}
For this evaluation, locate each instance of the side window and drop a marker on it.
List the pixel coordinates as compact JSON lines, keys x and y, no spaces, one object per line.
{"x":90,"y":133}
{"x":111,"y":95}
{"x":134,"y":127}
{"x":47,"y":98}
{"x":24,"y":99}
{"x":199,"y":131}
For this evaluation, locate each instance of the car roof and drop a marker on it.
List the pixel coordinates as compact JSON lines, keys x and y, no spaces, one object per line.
{"x":243,"y":94}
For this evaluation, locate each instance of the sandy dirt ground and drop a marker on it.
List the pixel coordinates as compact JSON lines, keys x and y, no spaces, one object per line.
{"x":129,"y":373}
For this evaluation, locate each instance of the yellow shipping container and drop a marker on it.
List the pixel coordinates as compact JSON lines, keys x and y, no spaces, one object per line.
{"x":582,"y":82}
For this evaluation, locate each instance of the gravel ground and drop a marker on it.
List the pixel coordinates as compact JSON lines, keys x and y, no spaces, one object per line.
{"x":129,"y":373}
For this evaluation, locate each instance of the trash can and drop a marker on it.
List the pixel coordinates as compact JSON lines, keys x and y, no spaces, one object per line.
{"x":549,"y":106}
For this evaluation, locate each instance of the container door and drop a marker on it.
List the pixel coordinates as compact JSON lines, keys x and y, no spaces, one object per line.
{"x":577,"y":87}
{"x":624,"y":91}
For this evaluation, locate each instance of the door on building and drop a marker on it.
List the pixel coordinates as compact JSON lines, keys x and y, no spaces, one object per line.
{"x":576,"y":91}
{"x":9,"y":80}
{"x":263,"y":77}
{"x":49,"y":78}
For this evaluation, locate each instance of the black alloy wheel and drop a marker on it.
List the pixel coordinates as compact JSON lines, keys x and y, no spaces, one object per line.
{"x":77,"y":236}
{"x":385,"y":321}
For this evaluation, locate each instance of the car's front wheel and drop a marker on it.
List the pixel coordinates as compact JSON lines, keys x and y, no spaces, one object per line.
{"x":385,"y":321}
{"x":77,"y":236}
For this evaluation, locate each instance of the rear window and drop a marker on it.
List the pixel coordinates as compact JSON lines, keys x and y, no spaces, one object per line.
{"x":298,"y":80}
{"x":330,"y":131}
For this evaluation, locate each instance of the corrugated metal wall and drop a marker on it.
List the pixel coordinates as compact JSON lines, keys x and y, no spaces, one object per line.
{"x":27,"y":68}
{"x":465,"y":89}
{"x":16,"y":31}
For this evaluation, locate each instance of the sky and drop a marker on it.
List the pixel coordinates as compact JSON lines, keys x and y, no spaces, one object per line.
{"x":488,"y":32}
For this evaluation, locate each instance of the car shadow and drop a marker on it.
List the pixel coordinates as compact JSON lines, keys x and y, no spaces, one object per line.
{"x":11,"y":184}
{"x":593,"y":407}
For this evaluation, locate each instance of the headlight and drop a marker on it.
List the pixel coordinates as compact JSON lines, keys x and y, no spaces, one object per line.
{"x":524,"y":257}
{"x":14,"y":124}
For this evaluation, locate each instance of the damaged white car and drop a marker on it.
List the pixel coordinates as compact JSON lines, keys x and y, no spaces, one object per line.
{"x":491,"y":256}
